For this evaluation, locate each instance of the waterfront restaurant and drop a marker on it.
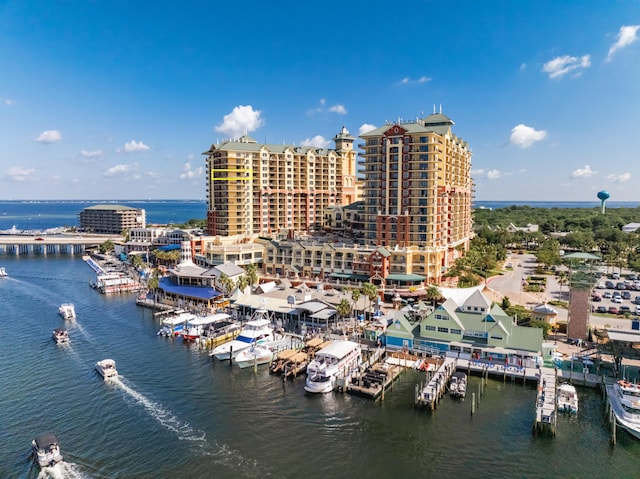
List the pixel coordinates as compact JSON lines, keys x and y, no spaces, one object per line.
{"x":469,"y":327}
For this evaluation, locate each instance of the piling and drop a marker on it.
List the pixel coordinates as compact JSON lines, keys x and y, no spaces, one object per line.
{"x":473,"y":403}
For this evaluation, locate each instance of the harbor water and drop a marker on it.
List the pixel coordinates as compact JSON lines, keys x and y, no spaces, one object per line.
{"x":175,"y":413}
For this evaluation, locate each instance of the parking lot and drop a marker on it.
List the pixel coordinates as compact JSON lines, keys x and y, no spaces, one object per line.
{"x":617,"y":296}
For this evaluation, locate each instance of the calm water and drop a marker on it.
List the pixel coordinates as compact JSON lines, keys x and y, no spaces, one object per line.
{"x":176,"y":414}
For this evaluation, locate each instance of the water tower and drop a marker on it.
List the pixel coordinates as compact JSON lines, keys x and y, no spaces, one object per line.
{"x":603,"y":196}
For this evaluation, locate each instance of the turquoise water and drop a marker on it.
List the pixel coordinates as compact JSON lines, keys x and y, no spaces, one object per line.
{"x":176,"y":414}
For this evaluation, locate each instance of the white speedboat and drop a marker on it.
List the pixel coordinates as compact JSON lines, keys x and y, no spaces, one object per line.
{"x":46,"y":449}
{"x":458,"y":385}
{"x":67,"y":311}
{"x":624,"y":398}
{"x":336,"y":361}
{"x":254,"y":332}
{"x":567,"y":398}
{"x":254,"y":356}
{"x":3,"y":273}
{"x":174,"y":325}
{"x":60,"y":335}
{"x":107,"y":368}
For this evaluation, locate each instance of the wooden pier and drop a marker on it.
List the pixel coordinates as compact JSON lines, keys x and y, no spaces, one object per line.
{"x":546,"y":405}
{"x":429,"y":396}
{"x":377,"y":374}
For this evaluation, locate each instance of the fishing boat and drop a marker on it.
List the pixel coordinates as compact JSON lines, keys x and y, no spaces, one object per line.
{"x":458,"y":385}
{"x":67,"y":311}
{"x":567,"y":398}
{"x":254,"y":332}
{"x":254,"y":356}
{"x":331,"y":364}
{"x":624,"y":397}
{"x":107,"y":368}
{"x":174,"y":325}
{"x":46,"y":449}
{"x":60,"y":335}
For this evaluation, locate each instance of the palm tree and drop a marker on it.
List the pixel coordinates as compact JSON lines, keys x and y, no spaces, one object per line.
{"x":227,"y":283}
{"x":355,"y":296}
{"x":243,"y":282}
{"x":370,"y":290}
{"x":252,"y":274}
{"x":433,"y":295}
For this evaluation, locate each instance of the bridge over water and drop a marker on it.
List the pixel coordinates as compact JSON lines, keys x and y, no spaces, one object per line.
{"x":18,"y":245}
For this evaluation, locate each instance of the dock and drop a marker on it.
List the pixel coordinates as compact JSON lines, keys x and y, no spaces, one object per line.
{"x":429,"y":396}
{"x":546,"y":406}
{"x":376,"y":375}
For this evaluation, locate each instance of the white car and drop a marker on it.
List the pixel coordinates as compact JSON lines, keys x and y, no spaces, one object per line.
{"x":601,"y":286}
{"x":637,"y":309}
{"x":616,"y":299}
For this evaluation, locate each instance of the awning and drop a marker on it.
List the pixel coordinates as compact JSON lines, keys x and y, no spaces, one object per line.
{"x":359,"y":277}
{"x":200,"y":292}
{"x":340,"y":275}
{"x":405,"y":277}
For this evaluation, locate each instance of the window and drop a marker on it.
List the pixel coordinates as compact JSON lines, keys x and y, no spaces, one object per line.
{"x":455,"y":331}
{"x":430,"y":328}
{"x":443,"y":330}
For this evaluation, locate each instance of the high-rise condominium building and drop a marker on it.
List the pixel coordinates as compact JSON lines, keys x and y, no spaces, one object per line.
{"x":257,"y":188}
{"x":111,"y":219}
{"x":418,"y":187}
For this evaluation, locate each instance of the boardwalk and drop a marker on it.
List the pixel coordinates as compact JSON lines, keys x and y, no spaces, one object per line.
{"x":546,"y":407}
{"x":429,"y":395}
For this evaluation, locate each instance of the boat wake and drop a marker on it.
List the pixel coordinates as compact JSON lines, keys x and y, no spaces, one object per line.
{"x":62,"y":470}
{"x":84,"y":332}
{"x":165,"y":417}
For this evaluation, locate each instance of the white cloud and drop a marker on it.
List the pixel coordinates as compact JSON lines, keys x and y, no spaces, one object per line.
{"x":585,"y":172}
{"x":322,"y":108}
{"x":49,"y":136}
{"x":524,"y":136}
{"x":623,"y":178}
{"x":478,"y":172}
{"x":118,"y":170}
{"x":19,"y":174}
{"x":91,"y":155}
{"x":493,"y":174}
{"x":189,"y":173}
{"x":317,"y":141}
{"x":409,"y":81}
{"x":241,"y":119}
{"x":626,"y":36}
{"x":523,"y":67}
{"x":560,"y":66}
{"x":133,"y":146}
{"x":366,"y":127}
{"x":9,"y":102}
{"x":339,"y":109}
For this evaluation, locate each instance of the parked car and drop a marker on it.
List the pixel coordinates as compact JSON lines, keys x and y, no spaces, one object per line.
{"x":621,"y":285}
{"x":596,"y":298}
{"x":609,"y":284}
{"x":626,"y":295}
{"x":636,"y":300}
{"x":616,"y":299}
{"x":607,"y":295}
{"x":632,"y":277}
{"x":637,"y":309}
{"x":601,"y":286}
{"x":603,"y":309}
{"x":624,"y":309}
{"x":615,"y":275}
{"x":613,"y":310}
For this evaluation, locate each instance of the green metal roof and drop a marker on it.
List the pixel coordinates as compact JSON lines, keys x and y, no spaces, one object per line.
{"x":405,"y":277}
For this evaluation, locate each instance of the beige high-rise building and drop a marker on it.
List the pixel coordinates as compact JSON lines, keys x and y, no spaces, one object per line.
{"x":257,"y":188}
{"x":418,"y":188}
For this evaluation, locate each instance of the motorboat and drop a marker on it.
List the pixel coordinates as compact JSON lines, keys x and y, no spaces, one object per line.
{"x":254,"y":356}
{"x":174,"y":325}
{"x":3,"y":273}
{"x":624,"y":397}
{"x":107,"y":368}
{"x":202,"y":327}
{"x":458,"y":385}
{"x":67,"y":311}
{"x":253,"y":333}
{"x":567,"y":398}
{"x":46,"y":449}
{"x":60,"y":335}
{"x":336,"y":361}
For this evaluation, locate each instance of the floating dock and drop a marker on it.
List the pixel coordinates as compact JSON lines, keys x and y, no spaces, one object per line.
{"x":429,"y":395}
{"x":546,"y":405}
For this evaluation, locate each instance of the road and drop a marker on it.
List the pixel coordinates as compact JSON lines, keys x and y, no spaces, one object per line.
{"x":510,"y":285}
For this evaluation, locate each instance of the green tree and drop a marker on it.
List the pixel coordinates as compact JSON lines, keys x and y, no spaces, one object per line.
{"x":432,"y":294}
{"x":252,"y":274}
{"x":370,"y":290}
{"x":107,"y":247}
{"x":227,"y":283}
{"x":243,"y":282}
{"x":343,"y":308}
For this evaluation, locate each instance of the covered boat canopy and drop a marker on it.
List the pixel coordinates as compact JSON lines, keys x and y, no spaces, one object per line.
{"x":46,"y":439}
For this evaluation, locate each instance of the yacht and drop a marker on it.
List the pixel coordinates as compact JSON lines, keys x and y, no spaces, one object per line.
{"x":46,"y":449}
{"x":253,"y":333}
{"x":174,"y":325}
{"x":567,"y":398}
{"x":67,"y":311}
{"x":206,"y":327}
{"x":3,"y":273}
{"x":107,"y":368}
{"x":458,"y":385}
{"x":331,"y":363}
{"x":254,"y":356}
{"x":60,"y":335}
{"x":624,"y":398}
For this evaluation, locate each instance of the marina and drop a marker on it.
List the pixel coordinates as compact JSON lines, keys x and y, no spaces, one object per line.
{"x":145,"y":407}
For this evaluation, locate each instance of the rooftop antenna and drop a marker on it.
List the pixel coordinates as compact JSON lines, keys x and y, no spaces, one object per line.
{"x":434,"y":108}
{"x":441,"y":108}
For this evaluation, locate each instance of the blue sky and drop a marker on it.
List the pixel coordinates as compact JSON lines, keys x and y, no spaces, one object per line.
{"x":118,"y":99}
